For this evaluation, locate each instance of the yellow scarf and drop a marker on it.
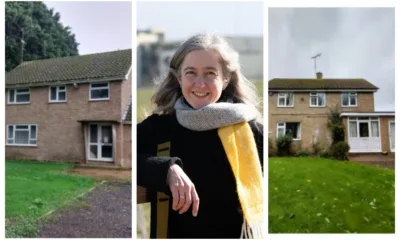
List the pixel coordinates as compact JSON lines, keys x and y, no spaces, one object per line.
{"x":241,"y":150}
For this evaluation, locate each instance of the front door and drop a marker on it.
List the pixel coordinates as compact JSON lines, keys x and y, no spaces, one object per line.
{"x":100,"y":142}
{"x":392,"y":135}
{"x":364,"y":134}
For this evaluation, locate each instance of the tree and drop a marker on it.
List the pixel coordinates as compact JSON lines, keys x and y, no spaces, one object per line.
{"x":34,"y":32}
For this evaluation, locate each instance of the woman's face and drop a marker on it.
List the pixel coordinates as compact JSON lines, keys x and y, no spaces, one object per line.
{"x":202,"y":78}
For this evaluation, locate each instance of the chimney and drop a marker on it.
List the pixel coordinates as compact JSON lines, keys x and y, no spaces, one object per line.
{"x":319,"y":75}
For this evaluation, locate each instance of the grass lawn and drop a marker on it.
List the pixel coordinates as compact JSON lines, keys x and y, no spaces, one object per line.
{"x":33,"y":189}
{"x":313,"y":195}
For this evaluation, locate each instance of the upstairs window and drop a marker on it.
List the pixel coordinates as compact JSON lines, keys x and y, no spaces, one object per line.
{"x":349,"y":99}
{"x":58,"y":94}
{"x":285,"y":100}
{"x":99,"y":91}
{"x":18,"y":96}
{"x":317,"y":100}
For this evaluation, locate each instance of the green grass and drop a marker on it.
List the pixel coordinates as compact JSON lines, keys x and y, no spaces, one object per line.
{"x":35,"y":188}
{"x":144,"y":100}
{"x":313,"y":195}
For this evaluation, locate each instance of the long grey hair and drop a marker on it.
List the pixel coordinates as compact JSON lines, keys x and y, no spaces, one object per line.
{"x":239,"y":89}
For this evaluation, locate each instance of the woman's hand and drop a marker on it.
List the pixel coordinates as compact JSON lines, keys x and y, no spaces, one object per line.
{"x":183,"y":191}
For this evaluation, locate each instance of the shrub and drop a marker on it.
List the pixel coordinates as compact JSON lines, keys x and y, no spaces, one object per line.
{"x":283,"y":145}
{"x":335,"y":125}
{"x":325,"y":154}
{"x":271,"y":149}
{"x":339,"y":150}
{"x":302,"y":153}
{"x":316,"y":148}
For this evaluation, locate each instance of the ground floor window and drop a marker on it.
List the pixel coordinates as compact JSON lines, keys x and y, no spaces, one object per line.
{"x":363,"y":127}
{"x":286,"y":128}
{"x":22,"y":134}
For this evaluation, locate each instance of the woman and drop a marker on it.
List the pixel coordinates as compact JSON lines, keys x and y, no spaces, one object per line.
{"x":206,"y":121}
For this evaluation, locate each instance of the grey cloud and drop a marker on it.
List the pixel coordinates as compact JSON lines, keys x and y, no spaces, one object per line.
{"x":354,"y":42}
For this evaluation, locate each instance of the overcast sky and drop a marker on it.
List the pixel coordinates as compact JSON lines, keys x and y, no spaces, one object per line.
{"x":355,"y":43}
{"x":182,"y":19}
{"x":98,"y":26}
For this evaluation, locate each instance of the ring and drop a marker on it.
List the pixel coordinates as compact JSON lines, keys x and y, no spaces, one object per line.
{"x":182,"y":196}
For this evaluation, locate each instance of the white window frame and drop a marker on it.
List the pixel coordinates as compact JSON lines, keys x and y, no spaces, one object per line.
{"x":285,"y":96}
{"x":369,"y":121}
{"x":315,"y":94}
{"x":16,"y":94}
{"x":99,"y":88}
{"x":58,"y":90}
{"x":284,"y":129}
{"x":390,"y":139}
{"x":348,"y":98}
{"x":30,"y":138}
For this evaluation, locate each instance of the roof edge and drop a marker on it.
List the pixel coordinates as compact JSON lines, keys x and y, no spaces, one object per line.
{"x":366,"y":114}
{"x":324,"y":90}
{"x":44,"y":84}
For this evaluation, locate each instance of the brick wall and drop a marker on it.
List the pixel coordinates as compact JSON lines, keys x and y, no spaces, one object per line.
{"x":313,"y":120}
{"x":59,"y":135}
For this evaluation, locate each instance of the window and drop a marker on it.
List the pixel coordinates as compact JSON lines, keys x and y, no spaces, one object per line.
{"x":99,"y":91}
{"x":285,"y":100}
{"x":317,"y":99}
{"x":286,"y":128}
{"x":22,"y":135}
{"x":349,"y":99}
{"x":16,"y":96}
{"x":58,"y":94}
{"x":364,"y":127}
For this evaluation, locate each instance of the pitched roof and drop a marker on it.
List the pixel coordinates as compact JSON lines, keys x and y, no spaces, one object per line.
{"x":107,"y":65}
{"x":323,"y":84}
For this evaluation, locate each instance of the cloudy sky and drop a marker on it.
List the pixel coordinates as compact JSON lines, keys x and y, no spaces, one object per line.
{"x":182,"y":19}
{"x":98,"y":26}
{"x":354,"y":43}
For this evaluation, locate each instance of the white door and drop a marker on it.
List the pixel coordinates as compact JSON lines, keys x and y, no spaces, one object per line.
{"x":392,"y":136}
{"x":364,"y":135}
{"x":100,"y":142}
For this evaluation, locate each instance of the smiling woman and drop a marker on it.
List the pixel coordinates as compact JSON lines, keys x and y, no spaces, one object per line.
{"x":204,"y":144}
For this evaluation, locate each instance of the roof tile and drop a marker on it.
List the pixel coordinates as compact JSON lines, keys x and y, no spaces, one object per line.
{"x":115,"y":64}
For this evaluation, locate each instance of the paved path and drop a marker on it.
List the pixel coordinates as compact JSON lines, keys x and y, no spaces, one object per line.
{"x":105,"y":212}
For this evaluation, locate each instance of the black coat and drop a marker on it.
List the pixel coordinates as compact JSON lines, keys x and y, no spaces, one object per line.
{"x":202,"y":157}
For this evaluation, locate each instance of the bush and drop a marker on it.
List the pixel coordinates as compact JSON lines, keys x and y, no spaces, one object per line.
{"x":335,"y":125}
{"x":302,"y":153}
{"x":316,"y":148}
{"x":325,"y":154}
{"x":283,"y":145}
{"x":339,"y":150}
{"x":271,"y":149}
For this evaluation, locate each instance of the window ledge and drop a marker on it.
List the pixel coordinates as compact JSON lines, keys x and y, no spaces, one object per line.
{"x":20,"y":145}
{"x":58,"y":102}
{"x":317,"y":106}
{"x":101,"y":99}
{"x":285,"y":106}
{"x":22,"y":103}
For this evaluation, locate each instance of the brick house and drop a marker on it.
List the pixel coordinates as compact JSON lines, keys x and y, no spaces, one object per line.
{"x":301,"y":107}
{"x":74,"y":109}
